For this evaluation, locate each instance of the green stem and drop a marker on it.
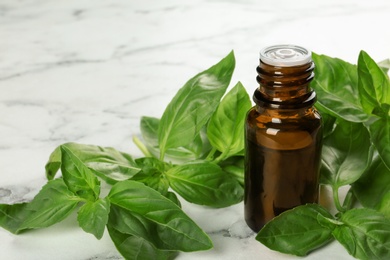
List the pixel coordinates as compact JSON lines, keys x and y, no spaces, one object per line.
{"x":220,"y":157}
{"x":349,"y":200}
{"x":142,"y":147}
{"x":162,"y":153}
{"x":337,"y":200}
{"x":210,"y":156}
{"x":161,"y":156}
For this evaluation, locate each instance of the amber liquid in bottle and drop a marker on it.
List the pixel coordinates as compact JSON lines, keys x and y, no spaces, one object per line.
{"x":283,"y":139}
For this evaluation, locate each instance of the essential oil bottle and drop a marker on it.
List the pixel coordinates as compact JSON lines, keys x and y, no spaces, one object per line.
{"x":283,"y":136}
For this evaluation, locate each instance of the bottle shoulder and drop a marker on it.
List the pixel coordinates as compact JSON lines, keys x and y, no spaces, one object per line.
{"x":308,"y":119}
{"x":289,"y":131}
{"x":284,"y":114}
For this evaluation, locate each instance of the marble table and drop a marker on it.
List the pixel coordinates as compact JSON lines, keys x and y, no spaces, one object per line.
{"x":87,"y":70}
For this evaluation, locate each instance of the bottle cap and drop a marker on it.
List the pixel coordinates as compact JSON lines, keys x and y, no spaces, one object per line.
{"x":285,"y":55}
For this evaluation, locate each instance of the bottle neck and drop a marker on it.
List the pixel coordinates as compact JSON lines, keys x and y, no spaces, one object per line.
{"x":285,"y":87}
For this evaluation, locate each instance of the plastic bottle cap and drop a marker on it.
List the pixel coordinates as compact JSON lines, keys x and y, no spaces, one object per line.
{"x":285,"y":55}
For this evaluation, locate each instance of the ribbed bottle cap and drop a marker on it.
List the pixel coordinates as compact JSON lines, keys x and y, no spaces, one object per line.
{"x":285,"y":55}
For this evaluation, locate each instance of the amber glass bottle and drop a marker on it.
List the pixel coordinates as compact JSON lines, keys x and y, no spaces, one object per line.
{"x":283,"y":136}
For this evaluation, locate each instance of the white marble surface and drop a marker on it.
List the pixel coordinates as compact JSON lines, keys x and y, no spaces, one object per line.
{"x":87,"y":70}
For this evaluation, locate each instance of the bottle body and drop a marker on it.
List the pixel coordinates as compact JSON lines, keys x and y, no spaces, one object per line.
{"x":282,"y":162}
{"x":283,"y":138}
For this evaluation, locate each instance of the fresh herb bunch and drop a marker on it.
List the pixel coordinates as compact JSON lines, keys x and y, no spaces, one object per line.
{"x":197,"y":150}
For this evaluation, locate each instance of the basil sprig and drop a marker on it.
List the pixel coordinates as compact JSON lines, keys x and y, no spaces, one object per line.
{"x":143,"y":218}
{"x":196,"y":151}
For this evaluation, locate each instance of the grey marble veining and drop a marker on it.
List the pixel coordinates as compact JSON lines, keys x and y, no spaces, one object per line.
{"x":86,"y":71}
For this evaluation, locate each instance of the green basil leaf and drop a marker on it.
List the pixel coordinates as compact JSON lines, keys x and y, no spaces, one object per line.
{"x":384,"y":65}
{"x":190,"y":151}
{"x":54,"y":163}
{"x":138,"y":226}
{"x":193,"y":104}
{"x":373,"y":188}
{"x":365,"y":234}
{"x":52,"y":204}
{"x":173,"y":226}
{"x":235,"y":167}
{"x":328,"y":125}
{"x":93,"y":217}
{"x":346,"y":154}
{"x":297,"y":231}
{"x":136,"y":248}
{"x":152,"y":174}
{"x":226,"y":127}
{"x":78,"y":177}
{"x":105,"y":162}
{"x":374,"y":84}
{"x":149,"y":131}
{"x":384,"y":205}
{"x":329,"y":223}
{"x":12,"y":216}
{"x":172,"y":197}
{"x":336,"y":85}
{"x":205,"y":183}
{"x":380,"y":136}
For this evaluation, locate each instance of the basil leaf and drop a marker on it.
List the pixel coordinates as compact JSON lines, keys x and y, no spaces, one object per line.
{"x":152,"y":174}
{"x":78,"y":177}
{"x":149,"y":131}
{"x":226,"y":127}
{"x":172,"y":197}
{"x":173,"y":226}
{"x":235,"y":167}
{"x":135,"y":248}
{"x":12,"y":216}
{"x":297,"y":231}
{"x":346,"y":154}
{"x":190,"y":151}
{"x":205,"y":183}
{"x":105,"y":162}
{"x":365,"y":234}
{"x":373,"y":188}
{"x":336,"y":86}
{"x":329,"y":223}
{"x":93,"y":217}
{"x":138,"y":226}
{"x":380,"y":136}
{"x":374,"y":84}
{"x":384,"y":205}
{"x":193,"y":104}
{"x":384,"y":65}
{"x":54,"y":163}
{"x":52,"y":204}
{"x":328,"y":124}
